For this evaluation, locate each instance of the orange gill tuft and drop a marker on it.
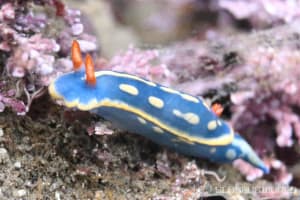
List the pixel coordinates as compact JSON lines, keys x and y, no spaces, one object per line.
{"x":217,"y":109}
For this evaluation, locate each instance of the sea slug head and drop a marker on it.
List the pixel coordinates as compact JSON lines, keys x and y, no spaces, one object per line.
{"x":77,"y":88}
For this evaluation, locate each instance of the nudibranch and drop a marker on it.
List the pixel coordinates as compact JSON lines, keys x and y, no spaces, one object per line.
{"x":166,"y":116}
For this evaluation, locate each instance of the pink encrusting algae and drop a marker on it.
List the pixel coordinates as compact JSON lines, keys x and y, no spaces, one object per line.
{"x":32,"y":52}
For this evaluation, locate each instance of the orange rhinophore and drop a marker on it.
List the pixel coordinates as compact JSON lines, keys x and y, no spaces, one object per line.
{"x":89,"y":70}
{"x":217,"y":109}
{"x":76,"y":55}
